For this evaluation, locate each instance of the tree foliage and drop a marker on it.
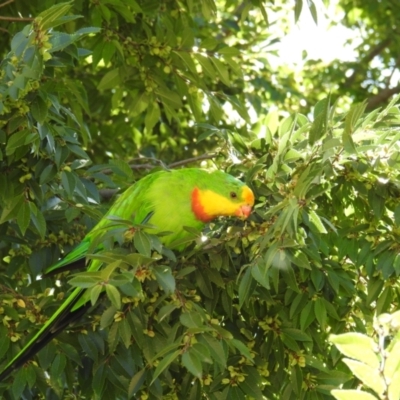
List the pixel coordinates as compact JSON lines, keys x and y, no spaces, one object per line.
{"x":88,"y":104}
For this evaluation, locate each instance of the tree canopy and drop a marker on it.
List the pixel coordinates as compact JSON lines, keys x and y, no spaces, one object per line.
{"x":96,"y":94}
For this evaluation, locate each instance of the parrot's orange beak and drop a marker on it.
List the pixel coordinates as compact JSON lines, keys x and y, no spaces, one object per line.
{"x":245,"y":210}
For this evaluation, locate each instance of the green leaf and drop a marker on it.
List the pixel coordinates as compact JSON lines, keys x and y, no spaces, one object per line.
{"x":58,"y":365}
{"x":246,"y":287}
{"x":136,"y":382}
{"x":369,"y":376}
{"x":142,"y":243}
{"x":260,"y":274}
{"x":313,"y":11}
{"x":164,"y":278}
{"x":297,"y":9}
{"x":202,"y":352}
{"x":222,"y":71}
{"x":114,"y":296}
{"x":316,"y":221}
{"x":208,"y":8}
{"x":40,"y":223}
{"x":95,"y":293}
{"x":296,"y":334}
{"x":320,"y":312}
{"x":4,"y":345}
{"x":169,"y":97}
{"x":191,"y":319}
{"x":319,"y":126}
{"x":89,"y":346}
{"x":206,"y":65}
{"x":50,"y":17}
{"x":47,"y":174}
{"x":19,"y":383}
{"x":352,"y":395}
{"x":19,"y":43}
{"x":357,"y":346}
{"x":243,"y":349}
{"x":110,"y":80}
{"x":288,"y":275}
{"x":217,"y":350}
{"x":394,"y":387}
{"x":69,"y":182}
{"x":125,"y":333}
{"x":39,"y":109}
{"x":152,"y":116}
{"x":164,"y":363}
{"x":188,"y":61}
{"x":229,"y":51}
{"x":351,"y":120}
{"x":392,"y":362}
{"x":85,"y":281}
{"x":16,"y":140}
{"x":192,"y":363}
{"x":11,"y":208}
{"x":24,"y":217}
{"x":307,"y":316}
{"x":165,"y":311}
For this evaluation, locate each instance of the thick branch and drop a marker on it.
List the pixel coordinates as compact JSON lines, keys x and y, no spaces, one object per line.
{"x":381,"y":97}
{"x":365,"y":60}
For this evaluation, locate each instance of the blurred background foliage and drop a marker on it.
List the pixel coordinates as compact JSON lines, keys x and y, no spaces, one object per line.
{"x":94,"y":94}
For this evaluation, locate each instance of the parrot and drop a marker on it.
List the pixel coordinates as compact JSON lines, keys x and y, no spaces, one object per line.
{"x":168,"y":201}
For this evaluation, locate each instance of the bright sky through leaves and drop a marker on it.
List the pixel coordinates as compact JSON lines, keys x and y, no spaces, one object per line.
{"x":325,"y":40}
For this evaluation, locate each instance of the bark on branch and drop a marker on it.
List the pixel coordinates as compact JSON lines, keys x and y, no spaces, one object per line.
{"x":366,"y":60}
{"x":107,"y":194}
{"x":6,"y":2}
{"x":381,"y":97}
{"x":15,"y":19}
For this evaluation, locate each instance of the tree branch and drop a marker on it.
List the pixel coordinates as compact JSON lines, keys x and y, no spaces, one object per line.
{"x":191,"y":160}
{"x":134,"y":167}
{"x":15,"y":19}
{"x":381,"y":97}
{"x":107,"y":194}
{"x":6,"y":2}
{"x":365,"y":60}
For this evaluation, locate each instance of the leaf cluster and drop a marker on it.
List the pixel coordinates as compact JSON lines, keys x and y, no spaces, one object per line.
{"x":246,"y":310}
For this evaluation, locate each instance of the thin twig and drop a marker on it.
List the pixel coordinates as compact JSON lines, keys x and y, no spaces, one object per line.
{"x":15,"y":19}
{"x":5,"y":3}
{"x":193,"y":159}
{"x":107,"y":194}
{"x":133,"y":167}
{"x":176,"y":164}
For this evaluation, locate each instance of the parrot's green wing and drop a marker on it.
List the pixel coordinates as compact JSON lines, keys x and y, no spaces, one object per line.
{"x":129,"y":206}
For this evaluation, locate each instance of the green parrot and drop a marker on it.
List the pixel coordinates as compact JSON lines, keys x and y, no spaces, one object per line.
{"x":167,"y":201}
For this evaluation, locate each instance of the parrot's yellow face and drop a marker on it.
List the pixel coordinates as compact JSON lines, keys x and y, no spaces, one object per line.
{"x":207,"y":204}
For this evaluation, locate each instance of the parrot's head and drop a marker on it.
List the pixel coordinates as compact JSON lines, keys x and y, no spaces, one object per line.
{"x":221,"y":195}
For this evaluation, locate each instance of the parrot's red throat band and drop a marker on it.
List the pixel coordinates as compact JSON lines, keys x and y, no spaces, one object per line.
{"x":198,"y":208}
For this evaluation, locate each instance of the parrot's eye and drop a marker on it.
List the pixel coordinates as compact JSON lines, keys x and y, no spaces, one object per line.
{"x":233,"y":195}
